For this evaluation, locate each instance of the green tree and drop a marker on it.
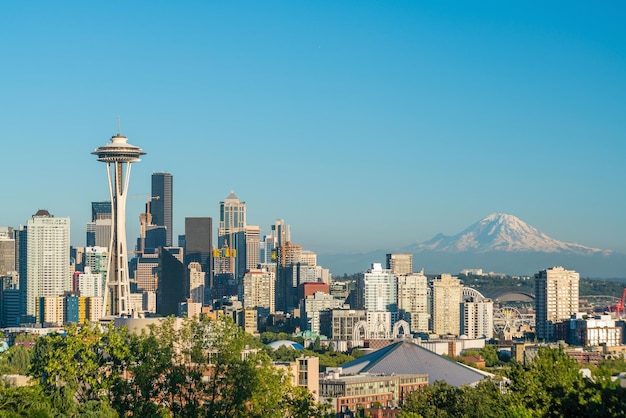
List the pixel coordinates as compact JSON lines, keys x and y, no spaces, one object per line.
{"x":15,"y":360}
{"x":489,"y":353}
{"x":73,"y":362}
{"x":551,"y":385}
{"x":438,"y":400}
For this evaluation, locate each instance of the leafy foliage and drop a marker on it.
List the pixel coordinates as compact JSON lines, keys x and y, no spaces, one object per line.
{"x":187,"y":368}
{"x":15,"y":360}
{"x":549,"y":386}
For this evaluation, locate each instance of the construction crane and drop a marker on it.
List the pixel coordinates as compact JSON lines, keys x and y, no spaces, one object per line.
{"x":618,"y":308}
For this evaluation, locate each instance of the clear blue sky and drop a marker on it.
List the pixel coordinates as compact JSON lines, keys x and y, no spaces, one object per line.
{"x":365,"y":125}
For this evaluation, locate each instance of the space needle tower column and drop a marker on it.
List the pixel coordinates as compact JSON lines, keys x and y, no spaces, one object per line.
{"x":118,"y":156}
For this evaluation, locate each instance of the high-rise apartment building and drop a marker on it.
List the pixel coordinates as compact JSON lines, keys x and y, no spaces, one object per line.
{"x":311,"y":309}
{"x":253,"y":242}
{"x":400,"y":263}
{"x":378,"y":290}
{"x":7,"y":251}
{"x":161,"y":207}
{"x":556,"y":299}
{"x":258,"y":291}
{"x":477,"y":319}
{"x":48,"y":259}
{"x":413,"y":300}
{"x":446,"y":297}
{"x":196,"y":282}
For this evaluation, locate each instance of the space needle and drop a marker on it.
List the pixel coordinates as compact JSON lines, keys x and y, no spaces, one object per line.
{"x":118,"y":156}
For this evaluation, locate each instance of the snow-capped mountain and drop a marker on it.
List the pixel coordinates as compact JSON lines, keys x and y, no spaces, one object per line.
{"x":503,"y":232}
{"x":500,"y":243}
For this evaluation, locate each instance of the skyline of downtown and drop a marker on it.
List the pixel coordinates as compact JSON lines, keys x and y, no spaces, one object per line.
{"x":364,"y":127}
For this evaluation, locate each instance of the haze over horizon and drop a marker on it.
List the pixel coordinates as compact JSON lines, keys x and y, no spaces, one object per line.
{"x":364,"y":125}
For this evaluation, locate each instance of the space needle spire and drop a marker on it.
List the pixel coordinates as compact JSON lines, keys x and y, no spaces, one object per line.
{"x":118,"y":156}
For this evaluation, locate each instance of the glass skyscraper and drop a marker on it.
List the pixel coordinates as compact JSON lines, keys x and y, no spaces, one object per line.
{"x":161,"y":207}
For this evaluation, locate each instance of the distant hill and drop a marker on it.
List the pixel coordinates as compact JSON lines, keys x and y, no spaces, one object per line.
{"x":501,"y":243}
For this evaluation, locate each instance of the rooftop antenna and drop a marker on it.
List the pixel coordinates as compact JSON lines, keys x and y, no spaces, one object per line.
{"x":118,"y":126}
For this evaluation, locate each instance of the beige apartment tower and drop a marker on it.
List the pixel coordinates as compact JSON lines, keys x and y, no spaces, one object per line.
{"x":258,"y":291}
{"x":446,"y":295}
{"x":413,"y":300}
{"x":400,"y":263}
{"x":556,"y":299}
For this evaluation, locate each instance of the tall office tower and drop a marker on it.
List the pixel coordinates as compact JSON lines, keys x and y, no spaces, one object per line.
{"x":232,"y":216}
{"x":96,"y":234}
{"x":378,"y":289}
{"x":279,"y":235}
{"x":287,"y":261}
{"x":173,"y":287}
{"x":161,"y":207}
{"x":253,"y":240}
{"x":196,"y":282}
{"x":198,"y":247}
{"x":446,"y":296}
{"x":231,"y":231}
{"x":413,"y":300}
{"x":9,"y":305}
{"x":103,"y":229}
{"x":101,"y":210}
{"x":147,"y":273}
{"x":400,"y":263}
{"x":258,"y":291}
{"x":199,"y":241}
{"x":556,"y":299}
{"x":48,"y":259}
{"x":477,"y":319}
{"x":118,"y":156}
{"x":21,"y":262}
{"x":155,"y":238}
{"x":281,"y":232}
{"x":7,"y":251}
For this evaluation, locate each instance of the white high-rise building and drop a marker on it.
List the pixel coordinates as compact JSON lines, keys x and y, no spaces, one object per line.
{"x":378,"y":288}
{"x":90,"y":284}
{"x":556,"y":299}
{"x":477,"y":319}
{"x":446,"y":297}
{"x":96,"y":259}
{"x":48,"y":259}
{"x":413,"y":300}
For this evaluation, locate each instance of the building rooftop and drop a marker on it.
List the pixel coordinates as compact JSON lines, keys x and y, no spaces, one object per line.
{"x":404,"y":357}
